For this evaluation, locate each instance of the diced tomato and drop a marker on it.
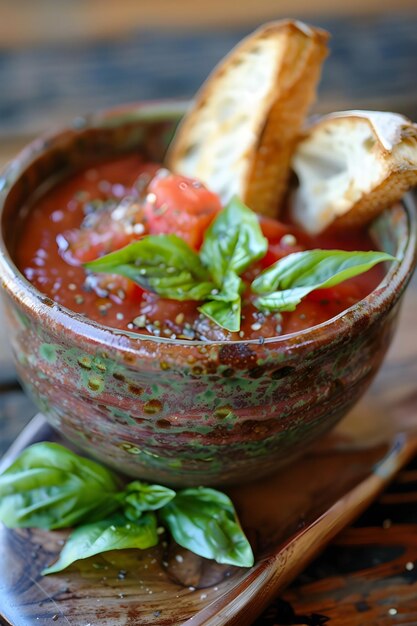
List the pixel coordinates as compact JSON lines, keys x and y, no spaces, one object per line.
{"x":180,"y":205}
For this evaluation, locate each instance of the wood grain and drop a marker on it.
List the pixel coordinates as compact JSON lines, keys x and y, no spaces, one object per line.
{"x":289,"y":518}
{"x":367,"y":577}
{"x":346,"y":583}
{"x":143,"y":587}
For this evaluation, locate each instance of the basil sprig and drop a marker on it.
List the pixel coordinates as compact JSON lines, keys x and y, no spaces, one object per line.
{"x":232,"y":242}
{"x":139,"y":497}
{"x":115,"y":533}
{"x":224,"y":307}
{"x":204,"y":521}
{"x":166,"y":265}
{"x":50,"y":487}
{"x":289,"y":280}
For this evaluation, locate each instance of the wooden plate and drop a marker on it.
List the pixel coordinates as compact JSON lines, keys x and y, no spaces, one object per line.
{"x":289,"y":518}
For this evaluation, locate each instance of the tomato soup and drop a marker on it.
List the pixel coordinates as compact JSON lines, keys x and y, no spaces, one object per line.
{"x":101,"y":209}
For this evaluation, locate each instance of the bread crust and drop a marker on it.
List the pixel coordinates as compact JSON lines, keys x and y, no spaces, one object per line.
{"x":387,"y":193}
{"x":385,"y":168}
{"x":260,"y":148}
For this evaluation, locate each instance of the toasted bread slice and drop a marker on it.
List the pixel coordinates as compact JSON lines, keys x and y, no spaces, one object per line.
{"x":351,"y":166}
{"x":240,"y":133}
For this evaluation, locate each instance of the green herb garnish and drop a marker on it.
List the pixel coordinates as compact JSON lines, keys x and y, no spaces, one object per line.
{"x":139,"y":497}
{"x":291,"y":278}
{"x":166,"y":265}
{"x":204,"y":521}
{"x":115,"y":533}
{"x":48,"y":487}
{"x":232,"y":242}
{"x":51,"y":487}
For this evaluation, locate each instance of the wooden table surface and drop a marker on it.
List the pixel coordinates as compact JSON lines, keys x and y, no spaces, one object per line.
{"x":131,"y":55}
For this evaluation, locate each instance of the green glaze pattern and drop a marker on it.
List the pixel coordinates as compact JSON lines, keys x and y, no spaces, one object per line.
{"x":178,"y":412}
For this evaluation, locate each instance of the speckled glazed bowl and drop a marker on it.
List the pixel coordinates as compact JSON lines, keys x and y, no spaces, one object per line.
{"x":184,"y":412}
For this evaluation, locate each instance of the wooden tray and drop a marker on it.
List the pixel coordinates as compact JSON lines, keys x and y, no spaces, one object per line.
{"x":289,"y":518}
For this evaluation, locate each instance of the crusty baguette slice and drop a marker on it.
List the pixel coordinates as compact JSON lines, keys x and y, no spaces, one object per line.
{"x":351,"y":166}
{"x":240,"y":133}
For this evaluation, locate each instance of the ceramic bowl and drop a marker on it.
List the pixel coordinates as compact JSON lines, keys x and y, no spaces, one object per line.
{"x":173,"y":411}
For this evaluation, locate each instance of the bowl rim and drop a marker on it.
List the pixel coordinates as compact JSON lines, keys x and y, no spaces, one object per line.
{"x":62,"y":318}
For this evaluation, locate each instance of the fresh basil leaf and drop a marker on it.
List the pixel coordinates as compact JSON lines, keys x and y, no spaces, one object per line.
{"x":224,"y":313}
{"x":294,"y":276}
{"x":224,"y":307}
{"x":233,"y":241}
{"x":164,"y":264}
{"x":232,"y":287}
{"x":316,"y":267}
{"x":286,"y":300}
{"x":204,"y":521}
{"x":139,"y":497}
{"x":49,"y":486}
{"x":116,"y":533}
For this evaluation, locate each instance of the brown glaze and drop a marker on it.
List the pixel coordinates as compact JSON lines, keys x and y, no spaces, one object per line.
{"x":289,"y":517}
{"x":175,"y":411}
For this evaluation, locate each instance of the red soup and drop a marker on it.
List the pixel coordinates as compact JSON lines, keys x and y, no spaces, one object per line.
{"x":105,"y":207}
